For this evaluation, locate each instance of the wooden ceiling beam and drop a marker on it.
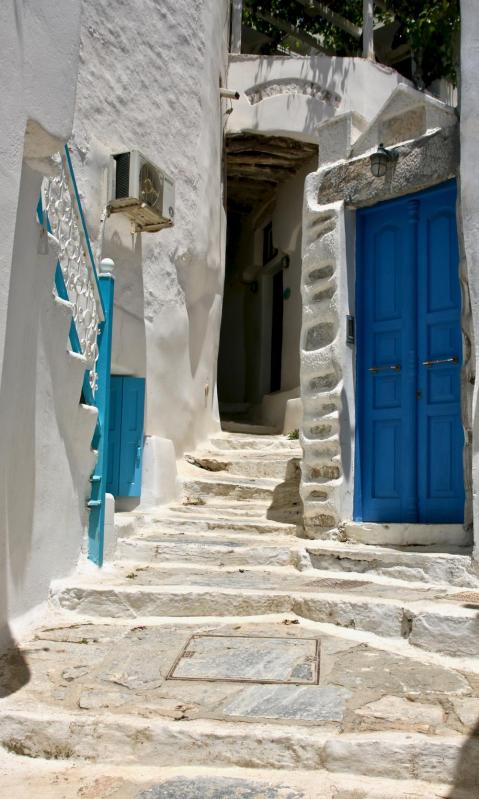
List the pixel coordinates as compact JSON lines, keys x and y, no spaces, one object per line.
{"x":241,"y":142}
{"x":257,"y":165}
{"x":266,"y":159}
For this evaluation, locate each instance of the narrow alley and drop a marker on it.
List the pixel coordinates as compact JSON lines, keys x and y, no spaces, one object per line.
{"x":239,"y":406}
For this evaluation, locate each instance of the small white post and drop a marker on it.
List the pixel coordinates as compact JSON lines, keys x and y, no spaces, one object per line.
{"x":368,"y":29}
{"x":236,"y":20}
{"x":107,"y":266}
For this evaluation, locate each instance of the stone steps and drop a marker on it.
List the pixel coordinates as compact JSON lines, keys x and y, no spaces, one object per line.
{"x":223,"y":519}
{"x":290,"y":576}
{"x":117,"y":739}
{"x":133,"y":667}
{"x":236,"y":524}
{"x":281,"y":500}
{"x":200,"y":550}
{"x":40,"y":778}
{"x":235,"y":488}
{"x":454,"y":568}
{"x":404,"y":535}
{"x":249,"y":444}
{"x":206,"y":536}
{"x":264,"y":463}
{"x":434,"y":624}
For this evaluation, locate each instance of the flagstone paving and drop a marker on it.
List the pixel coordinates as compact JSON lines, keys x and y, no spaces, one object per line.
{"x":293,"y":676}
{"x":53,"y":779}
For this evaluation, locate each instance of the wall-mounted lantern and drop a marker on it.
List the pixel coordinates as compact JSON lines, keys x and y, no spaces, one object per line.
{"x":380,"y":161}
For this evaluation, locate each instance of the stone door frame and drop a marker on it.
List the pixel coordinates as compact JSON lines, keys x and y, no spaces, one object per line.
{"x":332,"y":196}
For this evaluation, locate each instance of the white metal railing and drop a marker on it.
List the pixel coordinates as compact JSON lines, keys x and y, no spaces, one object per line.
{"x":66,"y":221}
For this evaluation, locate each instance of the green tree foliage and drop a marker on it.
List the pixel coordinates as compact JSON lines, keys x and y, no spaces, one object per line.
{"x":430,"y":26}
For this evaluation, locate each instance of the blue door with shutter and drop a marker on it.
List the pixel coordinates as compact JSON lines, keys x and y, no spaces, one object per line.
{"x":409,"y":438}
{"x":127,"y":402}
{"x":114,"y":434}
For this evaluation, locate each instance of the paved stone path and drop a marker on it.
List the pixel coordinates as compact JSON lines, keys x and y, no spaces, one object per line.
{"x":222,"y":639}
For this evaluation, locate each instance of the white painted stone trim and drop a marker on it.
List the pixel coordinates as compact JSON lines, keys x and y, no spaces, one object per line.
{"x":328,"y":288}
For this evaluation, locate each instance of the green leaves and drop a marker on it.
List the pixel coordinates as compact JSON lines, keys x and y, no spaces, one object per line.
{"x":430,"y":26}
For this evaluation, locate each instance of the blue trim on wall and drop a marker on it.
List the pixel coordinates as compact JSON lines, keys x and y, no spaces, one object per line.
{"x":126,"y":435}
{"x":96,"y":526}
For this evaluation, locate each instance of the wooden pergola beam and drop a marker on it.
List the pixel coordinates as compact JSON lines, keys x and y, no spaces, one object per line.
{"x":287,"y":27}
{"x":236,"y":25}
{"x":368,"y":29}
{"x":317,"y":9}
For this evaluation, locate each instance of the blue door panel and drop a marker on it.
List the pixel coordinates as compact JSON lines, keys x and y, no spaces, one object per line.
{"x":385,"y":341}
{"x":125,"y":447}
{"x":409,"y":433}
{"x":114,"y":434}
{"x":132,"y":436}
{"x":440,"y":433}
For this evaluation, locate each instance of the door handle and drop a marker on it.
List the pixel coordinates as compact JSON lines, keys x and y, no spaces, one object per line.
{"x":452,"y":359}
{"x":395,"y":367}
{"x":138,"y":455}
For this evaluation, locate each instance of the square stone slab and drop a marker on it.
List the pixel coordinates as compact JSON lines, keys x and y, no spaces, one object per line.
{"x":248,"y":659}
{"x":299,"y":702}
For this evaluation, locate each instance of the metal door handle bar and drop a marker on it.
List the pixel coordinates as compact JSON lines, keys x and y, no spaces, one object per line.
{"x":395,"y":367}
{"x":453,"y":359}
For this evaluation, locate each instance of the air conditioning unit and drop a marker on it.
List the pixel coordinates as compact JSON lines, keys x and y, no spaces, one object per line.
{"x":142,"y":191}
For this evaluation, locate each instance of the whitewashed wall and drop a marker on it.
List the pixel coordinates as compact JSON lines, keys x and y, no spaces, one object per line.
{"x":292,"y":96}
{"x":469,"y":206}
{"x":41,"y":466}
{"x":287,"y":235}
{"x":149,"y":80}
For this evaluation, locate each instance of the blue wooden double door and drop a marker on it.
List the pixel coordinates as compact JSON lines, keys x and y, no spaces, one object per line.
{"x":409,"y":442}
{"x":125,"y":436}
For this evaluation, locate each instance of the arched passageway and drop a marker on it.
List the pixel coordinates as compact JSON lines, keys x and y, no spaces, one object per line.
{"x":258,"y":366}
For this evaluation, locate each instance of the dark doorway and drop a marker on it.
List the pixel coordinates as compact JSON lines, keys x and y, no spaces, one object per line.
{"x":277,"y":331}
{"x":259,"y":331}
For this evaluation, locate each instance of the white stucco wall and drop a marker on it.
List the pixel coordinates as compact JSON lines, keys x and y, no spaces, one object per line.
{"x":42,"y":459}
{"x":469,"y":197}
{"x":287,"y":233}
{"x":293,"y":95}
{"x":154,"y":86}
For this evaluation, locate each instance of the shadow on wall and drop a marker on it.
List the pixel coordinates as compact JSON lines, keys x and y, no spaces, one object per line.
{"x":129,"y":335}
{"x":45,"y":457}
{"x":466,"y":778}
{"x":200,"y":277}
{"x":324,"y":71}
{"x":287,"y":505}
{"x":17,"y":426}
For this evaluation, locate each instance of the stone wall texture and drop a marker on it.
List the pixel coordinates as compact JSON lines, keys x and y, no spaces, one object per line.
{"x":328,"y":286}
{"x":469,"y":221}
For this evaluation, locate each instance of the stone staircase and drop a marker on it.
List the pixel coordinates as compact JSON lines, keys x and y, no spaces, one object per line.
{"x":224,"y":655}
